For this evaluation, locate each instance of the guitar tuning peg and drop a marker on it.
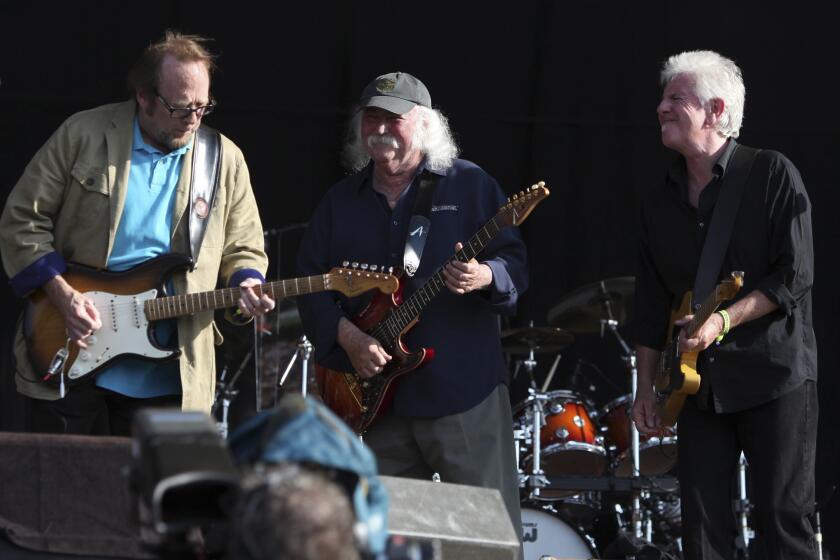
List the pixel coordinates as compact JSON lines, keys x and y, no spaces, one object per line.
{"x":345,"y":264}
{"x":373,"y":268}
{"x":364,"y":266}
{"x":514,"y":197}
{"x":390,"y":270}
{"x":521,"y":193}
{"x":541,"y":183}
{"x":355,"y":265}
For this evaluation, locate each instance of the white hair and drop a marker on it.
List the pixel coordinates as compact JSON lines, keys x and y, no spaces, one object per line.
{"x":715,"y":77}
{"x":432,"y":136}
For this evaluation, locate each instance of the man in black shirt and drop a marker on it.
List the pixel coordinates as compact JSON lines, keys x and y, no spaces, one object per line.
{"x":758,"y":355}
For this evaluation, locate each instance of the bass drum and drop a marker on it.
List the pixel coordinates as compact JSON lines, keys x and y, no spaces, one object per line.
{"x":544,"y":534}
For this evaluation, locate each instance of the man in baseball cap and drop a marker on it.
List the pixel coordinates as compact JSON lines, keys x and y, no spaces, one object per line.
{"x":452,"y":415}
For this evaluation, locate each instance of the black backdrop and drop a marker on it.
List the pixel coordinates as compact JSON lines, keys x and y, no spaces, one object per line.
{"x":560,"y":91}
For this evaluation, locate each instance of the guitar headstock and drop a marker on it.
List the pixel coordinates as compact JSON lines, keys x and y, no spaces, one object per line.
{"x":520,"y":205}
{"x":729,"y":287}
{"x":355,"y":279}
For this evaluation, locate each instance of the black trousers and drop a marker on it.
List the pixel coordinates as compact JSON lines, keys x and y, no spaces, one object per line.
{"x":90,"y":410}
{"x":778,"y":439}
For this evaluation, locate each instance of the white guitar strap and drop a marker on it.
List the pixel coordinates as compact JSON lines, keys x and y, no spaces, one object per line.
{"x":206,"y":167}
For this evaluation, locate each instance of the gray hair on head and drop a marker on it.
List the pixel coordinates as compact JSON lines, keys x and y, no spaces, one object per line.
{"x":432,"y":136}
{"x":715,"y":77}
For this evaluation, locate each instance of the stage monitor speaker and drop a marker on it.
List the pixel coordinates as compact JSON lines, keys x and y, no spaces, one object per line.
{"x":68,"y":495}
{"x":471,"y":523}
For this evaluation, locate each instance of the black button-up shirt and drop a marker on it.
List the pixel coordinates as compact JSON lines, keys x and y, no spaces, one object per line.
{"x":771,"y":242}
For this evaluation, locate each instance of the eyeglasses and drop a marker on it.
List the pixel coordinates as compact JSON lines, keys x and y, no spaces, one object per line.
{"x":185,"y":112}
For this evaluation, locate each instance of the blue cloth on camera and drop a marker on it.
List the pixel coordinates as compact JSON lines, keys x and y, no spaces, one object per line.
{"x":305,"y":431}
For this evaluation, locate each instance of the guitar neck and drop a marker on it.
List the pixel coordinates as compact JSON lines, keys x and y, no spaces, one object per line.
{"x":701,"y":315}
{"x":170,"y":307}
{"x":410,"y":310}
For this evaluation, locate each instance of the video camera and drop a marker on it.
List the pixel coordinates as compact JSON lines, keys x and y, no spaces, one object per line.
{"x":186,"y":482}
{"x":182,"y":477}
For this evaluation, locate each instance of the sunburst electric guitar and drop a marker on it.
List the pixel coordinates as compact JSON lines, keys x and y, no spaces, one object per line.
{"x":676,"y":375}
{"x":387,"y":318}
{"x":128,"y":303}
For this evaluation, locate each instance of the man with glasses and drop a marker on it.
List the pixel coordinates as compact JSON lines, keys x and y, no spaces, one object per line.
{"x":112,"y":189}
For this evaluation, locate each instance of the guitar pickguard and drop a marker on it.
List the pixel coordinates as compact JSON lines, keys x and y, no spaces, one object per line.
{"x":125,"y":330}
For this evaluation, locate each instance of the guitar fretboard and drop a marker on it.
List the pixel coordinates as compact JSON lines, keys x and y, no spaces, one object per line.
{"x":410,"y":310}
{"x":706,"y":309}
{"x":170,"y":307}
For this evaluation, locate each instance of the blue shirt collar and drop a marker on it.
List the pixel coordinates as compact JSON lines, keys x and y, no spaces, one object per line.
{"x":141,"y":144}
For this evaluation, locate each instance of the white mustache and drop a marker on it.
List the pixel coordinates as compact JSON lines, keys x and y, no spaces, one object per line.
{"x":386,"y":139}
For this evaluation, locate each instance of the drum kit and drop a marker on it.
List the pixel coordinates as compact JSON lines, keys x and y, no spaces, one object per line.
{"x":575,"y":459}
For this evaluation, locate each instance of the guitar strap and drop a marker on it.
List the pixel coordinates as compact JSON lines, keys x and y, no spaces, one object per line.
{"x":418,"y":227}
{"x":723,"y":219}
{"x":206,"y":168}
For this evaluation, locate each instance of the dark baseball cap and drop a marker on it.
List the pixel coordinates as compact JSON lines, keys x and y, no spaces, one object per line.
{"x":397,"y":92}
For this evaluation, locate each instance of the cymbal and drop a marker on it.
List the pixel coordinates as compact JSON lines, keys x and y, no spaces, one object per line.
{"x":582,"y":310}
{"x":538,"y":339}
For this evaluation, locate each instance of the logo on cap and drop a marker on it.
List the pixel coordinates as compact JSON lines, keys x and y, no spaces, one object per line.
{"x":386,"y":85}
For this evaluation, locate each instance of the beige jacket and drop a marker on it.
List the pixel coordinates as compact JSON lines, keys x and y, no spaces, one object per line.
{"x":70,"y":199}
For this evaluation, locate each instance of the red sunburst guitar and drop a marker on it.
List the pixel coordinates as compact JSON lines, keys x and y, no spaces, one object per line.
{"x":387,"y":318}
{"x":676,"y":375}
{"x":127,"y":303}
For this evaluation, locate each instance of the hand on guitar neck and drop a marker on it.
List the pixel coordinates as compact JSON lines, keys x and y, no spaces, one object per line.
{"x":705,"y":335}
{"x":365,"y":352}
{"x":250,"y":304}
{"x":464,"y":277}
{"x":80,"y":315}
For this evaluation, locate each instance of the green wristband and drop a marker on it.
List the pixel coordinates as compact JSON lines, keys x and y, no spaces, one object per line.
{"x":726,"y":324}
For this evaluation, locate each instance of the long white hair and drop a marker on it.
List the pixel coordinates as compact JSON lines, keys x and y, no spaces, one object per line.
{"x":715,"y":77}
{"x":432,"y":136}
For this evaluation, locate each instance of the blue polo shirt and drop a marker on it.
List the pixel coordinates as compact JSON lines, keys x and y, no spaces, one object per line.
{"x":144,"y":232}
{"x":354,"y":223}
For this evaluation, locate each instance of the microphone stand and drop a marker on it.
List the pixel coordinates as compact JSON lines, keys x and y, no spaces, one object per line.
{"x":277,"y":234}
{"x":304,"y":350}
{"x":226,"y":391}
{"x":629,"y":358}
{"x":742,"y":508}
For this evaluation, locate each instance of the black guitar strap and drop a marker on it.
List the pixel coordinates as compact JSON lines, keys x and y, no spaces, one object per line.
{"x":206,"y":168}
{"x":418,"y":228}
{"x":723,"y":219}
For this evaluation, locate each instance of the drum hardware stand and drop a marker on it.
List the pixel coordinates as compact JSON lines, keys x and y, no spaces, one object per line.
{"x":304,"y":350}
{"x":629,"y":358}
{"x":648,"y":519}
{"x":537,"y":479}
{"x":818,"y":534}
{"x":743,"y":508}
{"x":819,"y":505}
{"x":520,"y":439}
{"x":226,"y":391}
